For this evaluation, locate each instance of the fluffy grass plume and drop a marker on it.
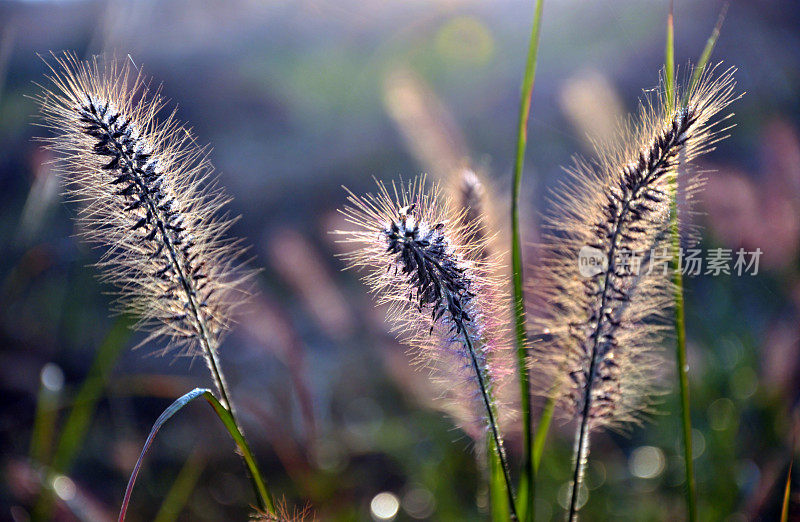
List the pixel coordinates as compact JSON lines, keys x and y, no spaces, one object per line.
{"x":424,"y":259}
{"x":147,"y":199}
{"x":603,"y":331}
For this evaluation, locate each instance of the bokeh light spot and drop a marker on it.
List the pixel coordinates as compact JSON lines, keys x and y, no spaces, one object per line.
{"x":64,"y":488}
{"x":384,"y":506}
{"x":721,"y":414}
{"x":698,"y":443}
{"x":647,"y":462}
{"x":419,"y":503}
{"x":52,"y":377}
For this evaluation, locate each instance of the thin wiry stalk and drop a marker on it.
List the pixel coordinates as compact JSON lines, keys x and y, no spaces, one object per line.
{"x":425,"y":261}
{"x":527,"y":482}
{"x":147,"y":200}
{"x":677,"y":281}
{"x":602,"y":330}
{"x":493,"y":425}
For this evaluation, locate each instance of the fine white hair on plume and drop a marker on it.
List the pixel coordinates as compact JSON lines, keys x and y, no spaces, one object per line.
{"x":147,"y":199}
{"x":602,"y":331}
{"x":422,"y":258}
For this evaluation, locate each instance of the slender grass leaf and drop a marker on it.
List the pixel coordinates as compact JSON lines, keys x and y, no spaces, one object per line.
{"x":263,"y":496}
{"x":527,"y":484}
{"x":680,"y":321}
{"x":705,"y":56}
{"x":680,"y":329}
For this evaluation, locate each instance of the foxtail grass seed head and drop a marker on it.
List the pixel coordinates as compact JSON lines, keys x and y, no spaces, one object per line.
{"x":602,"y":320}
{"x":146,"y":198}
{"x":422,"y":258}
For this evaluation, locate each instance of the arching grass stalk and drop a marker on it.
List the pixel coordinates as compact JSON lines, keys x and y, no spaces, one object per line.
{"x":527,"y":486}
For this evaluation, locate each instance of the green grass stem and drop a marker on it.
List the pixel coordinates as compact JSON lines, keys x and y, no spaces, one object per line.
{"x":679,"y":308}
{"x":527,"y":482}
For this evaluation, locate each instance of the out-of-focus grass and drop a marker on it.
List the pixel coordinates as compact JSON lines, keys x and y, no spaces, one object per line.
{"x":48,"y":401}
{"x":182,"y":488}
{"x":787,"y":490}
{"x":85,"y":402}
{"x":72,"y":435}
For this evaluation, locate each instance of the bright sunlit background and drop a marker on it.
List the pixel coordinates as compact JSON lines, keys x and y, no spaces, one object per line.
{"x":298,"y":98}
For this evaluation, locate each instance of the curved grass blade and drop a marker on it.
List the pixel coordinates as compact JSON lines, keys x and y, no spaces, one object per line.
{"x":73,"y":433}
{"x":527,"y":484}
{"x":263,"y":496}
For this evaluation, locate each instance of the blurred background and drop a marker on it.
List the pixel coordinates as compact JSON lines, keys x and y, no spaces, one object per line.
{"x":298,"y":98}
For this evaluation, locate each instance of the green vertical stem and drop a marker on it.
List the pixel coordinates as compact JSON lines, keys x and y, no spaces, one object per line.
{"x":498,"y":499}
{"x":683,"y":367}
{"x":677,"y":279}
{"x":669,"y":60}
{"x":527,"y":484}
